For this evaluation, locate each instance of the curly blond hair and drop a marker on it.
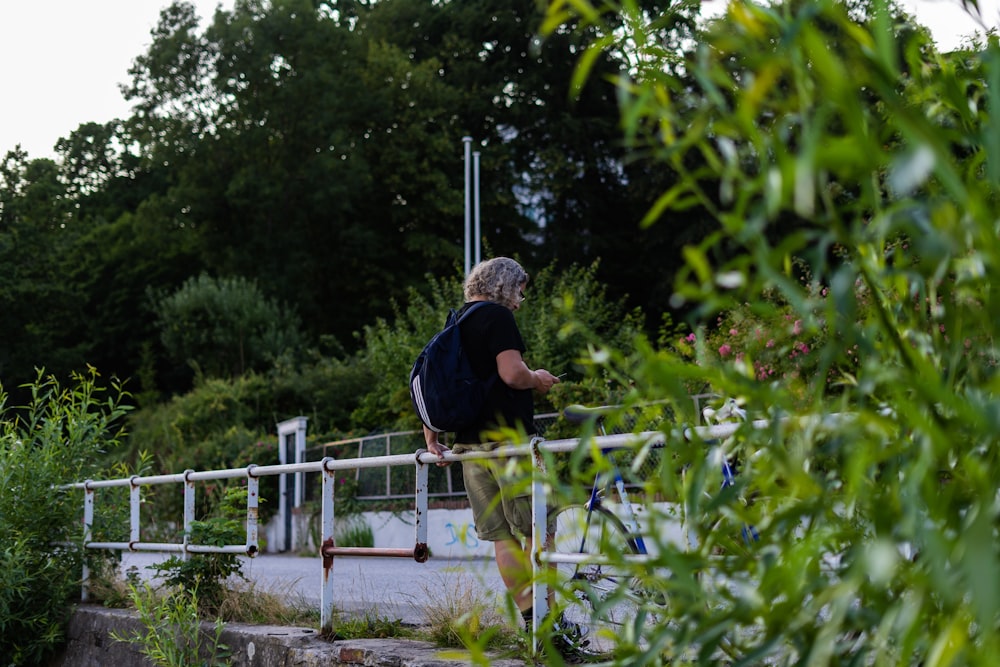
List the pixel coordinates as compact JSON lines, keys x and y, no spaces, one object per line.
{"x":498,"y":279}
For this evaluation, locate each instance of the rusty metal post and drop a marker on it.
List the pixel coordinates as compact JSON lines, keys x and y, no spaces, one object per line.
{"x":135,"y":504}
{"x":539,"y":540}
{"x":253,"y":511}
{"x":88,"y":527}
{"x":326,"y":539}
{"x":188,"y":512}
{"x":421,"y":552}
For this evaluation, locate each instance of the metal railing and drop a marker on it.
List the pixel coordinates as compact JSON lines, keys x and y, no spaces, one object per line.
{"x":328,"y":468}
{"x":376,"y":484}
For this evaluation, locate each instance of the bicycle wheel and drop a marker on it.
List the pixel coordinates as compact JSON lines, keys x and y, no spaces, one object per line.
{"x":593,"y":594}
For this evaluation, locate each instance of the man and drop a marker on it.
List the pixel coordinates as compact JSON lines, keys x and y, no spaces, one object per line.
{"x":501,"y":508}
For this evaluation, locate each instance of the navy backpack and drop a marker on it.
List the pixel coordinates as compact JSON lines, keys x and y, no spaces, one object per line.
{"x":446,"y":393}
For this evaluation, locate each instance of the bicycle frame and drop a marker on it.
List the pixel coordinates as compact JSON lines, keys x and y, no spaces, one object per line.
{"x":616,"y":479}
{"x":603,"y":482}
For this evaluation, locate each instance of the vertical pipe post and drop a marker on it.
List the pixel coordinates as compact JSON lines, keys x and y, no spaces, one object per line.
{"x":468,"y":205}
{"x":328,"y":522}
{"x":188,"y":511}
{"x":539,"y":541}
{"x":477,"y":237}
{"x":135,"y":503}
{"x":300,"y":457}
{"x":88,"y":527}
{"x":253,"y":511}
{"x":388,"y":469}
{"x":422,"y":486}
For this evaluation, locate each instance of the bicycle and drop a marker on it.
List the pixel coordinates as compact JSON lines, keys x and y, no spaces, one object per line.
{"x":601,"y":588}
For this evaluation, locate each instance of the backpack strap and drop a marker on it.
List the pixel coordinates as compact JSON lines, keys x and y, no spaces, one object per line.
{"x":468,"y":311}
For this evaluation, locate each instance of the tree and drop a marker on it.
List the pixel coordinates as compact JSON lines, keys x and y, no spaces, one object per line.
{"x":309,"y":170}
{"x":554,"y":170}
{"x":40,"y":307}
{"x":226,"y":327}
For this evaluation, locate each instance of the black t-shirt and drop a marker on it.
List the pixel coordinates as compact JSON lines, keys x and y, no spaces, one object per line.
{"x":486,"y":333}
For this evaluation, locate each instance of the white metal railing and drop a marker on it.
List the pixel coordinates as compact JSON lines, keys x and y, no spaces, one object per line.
{"x":252,"y":473}
{"x":421,"y":460}
{"x":391,"y":443}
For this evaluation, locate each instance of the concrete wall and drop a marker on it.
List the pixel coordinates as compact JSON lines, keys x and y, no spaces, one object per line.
{"x":450,"y":532}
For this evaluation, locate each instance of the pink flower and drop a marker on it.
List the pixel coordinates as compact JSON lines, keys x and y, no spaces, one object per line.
{"x":797,"y":327}
{"x":770,"y":343}
{"x":691,"y":338}
{"x":733,"y":332}
{"x":724,"y":350}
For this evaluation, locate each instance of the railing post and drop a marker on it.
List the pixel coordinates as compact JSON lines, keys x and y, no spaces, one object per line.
{"x":134,"y":507}
{"x":388,"y":469}
{"x":88,"y":527}
{"x":328,"y":522}
{"x":188,"y":512}
{"x":539,"y":540}
{"x":253,"y":511}
{"x":421,"y":551}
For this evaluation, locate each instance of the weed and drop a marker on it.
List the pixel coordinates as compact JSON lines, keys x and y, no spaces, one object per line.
{"x":459,"y":616}
{"x":210,"y":572}
{"x":355,"y":533}
{"x":247,"y":603}
{"x":173,"y":635}
{"x":369,"y":625}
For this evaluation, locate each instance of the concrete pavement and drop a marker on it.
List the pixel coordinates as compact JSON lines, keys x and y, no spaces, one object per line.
{"x":397,"y":588}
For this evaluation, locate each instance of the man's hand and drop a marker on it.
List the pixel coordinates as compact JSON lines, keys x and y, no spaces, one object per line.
{"x":435,"y":447}
{"x":545,"y":381}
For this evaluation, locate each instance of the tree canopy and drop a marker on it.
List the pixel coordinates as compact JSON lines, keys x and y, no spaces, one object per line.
{"x":316,"y":148}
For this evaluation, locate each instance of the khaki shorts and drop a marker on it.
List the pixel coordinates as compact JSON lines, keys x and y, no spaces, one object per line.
{"x":500,"y":493}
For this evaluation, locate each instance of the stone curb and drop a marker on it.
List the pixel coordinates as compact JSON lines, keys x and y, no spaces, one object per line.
{"x":89,"y":644}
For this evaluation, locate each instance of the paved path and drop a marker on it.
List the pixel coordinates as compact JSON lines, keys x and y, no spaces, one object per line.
{"x":399,"y":588}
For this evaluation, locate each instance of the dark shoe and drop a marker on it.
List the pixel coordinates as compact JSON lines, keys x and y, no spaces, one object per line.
{"x":570,"y":639}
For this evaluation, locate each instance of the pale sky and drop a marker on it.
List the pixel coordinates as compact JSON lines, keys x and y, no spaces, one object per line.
{"x":63,"y":59}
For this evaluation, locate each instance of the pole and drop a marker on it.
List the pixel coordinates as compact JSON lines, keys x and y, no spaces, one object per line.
{"x":478,"y":238}
{"x":468,"y":205}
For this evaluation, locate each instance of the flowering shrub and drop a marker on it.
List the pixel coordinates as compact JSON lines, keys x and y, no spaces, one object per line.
{"x":770,"y":342}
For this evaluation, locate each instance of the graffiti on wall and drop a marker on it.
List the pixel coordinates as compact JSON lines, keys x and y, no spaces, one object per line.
{"x":463,"y":534}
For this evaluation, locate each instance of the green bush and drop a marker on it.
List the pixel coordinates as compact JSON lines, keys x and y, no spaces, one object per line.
{"x":565,"y":309}
{"x":225,"y":327}
{"x":230,"y":423}
{"x":854,"y":174}
{"x":55,"y":439}
{"x":209,"y":574}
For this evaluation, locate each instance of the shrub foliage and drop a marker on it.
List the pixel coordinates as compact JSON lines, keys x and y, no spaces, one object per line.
{"x":55,"y":439}
{"x":853,"y":172}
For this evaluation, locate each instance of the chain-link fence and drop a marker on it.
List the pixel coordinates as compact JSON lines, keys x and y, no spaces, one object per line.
{"x":398,"y":482}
